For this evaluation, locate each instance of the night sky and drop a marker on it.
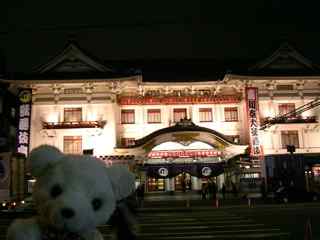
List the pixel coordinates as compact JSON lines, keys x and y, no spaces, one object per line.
{"x":31,"y":32}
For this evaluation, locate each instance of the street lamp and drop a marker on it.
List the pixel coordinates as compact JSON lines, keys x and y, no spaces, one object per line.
{"x":307,"y":174}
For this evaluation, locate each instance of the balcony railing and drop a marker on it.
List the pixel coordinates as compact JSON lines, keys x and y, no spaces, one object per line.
{"x":287,"y":120}
{"x":80,"y":124}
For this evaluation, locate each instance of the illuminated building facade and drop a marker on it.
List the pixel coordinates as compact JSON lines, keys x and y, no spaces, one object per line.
{"x":176,"y":132}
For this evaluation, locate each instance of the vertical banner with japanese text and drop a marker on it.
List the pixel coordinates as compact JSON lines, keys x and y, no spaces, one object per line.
{"x":23,"y":134}
{"x":256,"y":150}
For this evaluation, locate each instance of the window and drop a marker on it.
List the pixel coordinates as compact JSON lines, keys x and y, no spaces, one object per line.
{"x":72,"y":114}
{"x":285,"y":108}
{"x":154,"y":116}
{"x":290,"y":138}
{"x":283,"y":87}
{"x":127,"y":116}
{"x":72,"y":144}
{"x":73,"y":91}
{"x":234,"y":138}
{"x":126,"y":142}
{"x":179,"y":113}
{"x":231,"y":114}
{"x":205,"y":114}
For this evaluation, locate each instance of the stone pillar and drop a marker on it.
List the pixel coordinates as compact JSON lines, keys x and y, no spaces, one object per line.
{"x":195,"y":183}
{"x":167,"y":186}
{"x":171,"y":183}
{"x":220,"y":181}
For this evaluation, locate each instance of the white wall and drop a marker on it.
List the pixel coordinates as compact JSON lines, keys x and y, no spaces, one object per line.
{"x":102,"y":140}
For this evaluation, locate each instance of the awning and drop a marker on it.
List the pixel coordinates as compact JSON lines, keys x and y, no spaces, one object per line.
{"x":194,"y":169}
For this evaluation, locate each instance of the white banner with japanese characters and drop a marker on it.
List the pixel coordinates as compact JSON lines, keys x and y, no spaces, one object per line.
{"x":256,"y":149}
{"x":23,"y":138}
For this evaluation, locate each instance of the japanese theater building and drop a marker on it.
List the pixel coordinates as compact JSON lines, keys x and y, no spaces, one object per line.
{"x":176,"y":125}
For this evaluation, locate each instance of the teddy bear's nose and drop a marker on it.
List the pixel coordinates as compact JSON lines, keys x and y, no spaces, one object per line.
{"x":67,"y":213}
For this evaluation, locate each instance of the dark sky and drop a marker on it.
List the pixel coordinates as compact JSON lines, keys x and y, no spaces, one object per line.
{"x":33,"y":31}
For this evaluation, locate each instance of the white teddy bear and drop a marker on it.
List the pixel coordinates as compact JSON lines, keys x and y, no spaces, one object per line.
{"x":73,"y":195}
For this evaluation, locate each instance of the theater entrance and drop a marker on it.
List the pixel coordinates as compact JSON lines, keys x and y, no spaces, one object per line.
{"x":182,"y":182}
{"x":155,"y":184}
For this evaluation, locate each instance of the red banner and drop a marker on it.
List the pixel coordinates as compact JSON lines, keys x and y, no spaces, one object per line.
{"x":253,"y":121}
{"x":177,"y":100}
{"x":184,"y":154}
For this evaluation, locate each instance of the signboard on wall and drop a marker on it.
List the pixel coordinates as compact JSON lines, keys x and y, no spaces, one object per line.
{"x":252,"y":105}
{"x":185,"y":154}
{"x":23,"y":135}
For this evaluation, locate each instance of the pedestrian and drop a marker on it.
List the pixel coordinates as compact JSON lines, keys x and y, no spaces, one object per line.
{"x":213,"y":190}
{"x":183,"y":185}
{"x":140,"y":194}
{"x":223,"y":191}
{"x":204,"y":191}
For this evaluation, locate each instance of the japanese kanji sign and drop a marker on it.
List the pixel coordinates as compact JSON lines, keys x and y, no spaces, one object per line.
{"x":253,"y":121}
{"x":23,"y":138}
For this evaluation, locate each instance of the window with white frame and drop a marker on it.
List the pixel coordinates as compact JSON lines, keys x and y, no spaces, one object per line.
{"x":285,"y":108}
{"x":205,"y":114}
{"x":179,"y":113}
{"x":234,"y":138}
{"x":127,"y":116}
{"x":290,"y":138}
{"x":154,"y":115}
{"x":126,"y":142}
{"x":284,"y":87}
{"x":231,"y":114}
{"x":72,"y":144}
{"x":72,"y":114}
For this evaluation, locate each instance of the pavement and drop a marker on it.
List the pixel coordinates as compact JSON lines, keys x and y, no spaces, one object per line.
{"x":186,"y":216}
{"x":193,"y":198}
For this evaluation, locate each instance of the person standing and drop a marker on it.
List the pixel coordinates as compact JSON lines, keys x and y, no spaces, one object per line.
{"x":204,"y":191}
{"x":214,"y":190}
{"x":140,"y":194}
{"x":223,"y":191}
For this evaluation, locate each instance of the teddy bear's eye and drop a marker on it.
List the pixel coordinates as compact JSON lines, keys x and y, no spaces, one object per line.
{"x":56,"y":190}
{"x":96,"y":204}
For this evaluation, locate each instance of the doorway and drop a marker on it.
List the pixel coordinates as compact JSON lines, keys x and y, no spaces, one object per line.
{"x":155,"y":184}
{"x":182,"y":182}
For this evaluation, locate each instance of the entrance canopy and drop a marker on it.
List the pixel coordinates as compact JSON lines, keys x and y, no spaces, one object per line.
{"x":184,"y":132}
{"x":172,"y":170}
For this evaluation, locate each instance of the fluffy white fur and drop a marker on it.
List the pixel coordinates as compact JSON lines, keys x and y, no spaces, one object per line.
{"x":81,"y":179}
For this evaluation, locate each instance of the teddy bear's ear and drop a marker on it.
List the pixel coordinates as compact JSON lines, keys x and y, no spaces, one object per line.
{"x":122,"y":180}
{"x":42,"y":157}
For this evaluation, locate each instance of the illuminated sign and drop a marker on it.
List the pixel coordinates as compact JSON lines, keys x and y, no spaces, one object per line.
{"x":184,"y":154}
{"x":206,"y":171}
{"x":253,"y":121}
{"x":146,"y":100}
{"x":23,"y":138}
{"x":163,"y":172}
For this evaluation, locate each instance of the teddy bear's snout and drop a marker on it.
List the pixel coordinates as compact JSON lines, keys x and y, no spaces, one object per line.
{"x":67,"y":212}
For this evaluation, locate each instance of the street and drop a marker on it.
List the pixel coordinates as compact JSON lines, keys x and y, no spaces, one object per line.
{"x":183,"y":220}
